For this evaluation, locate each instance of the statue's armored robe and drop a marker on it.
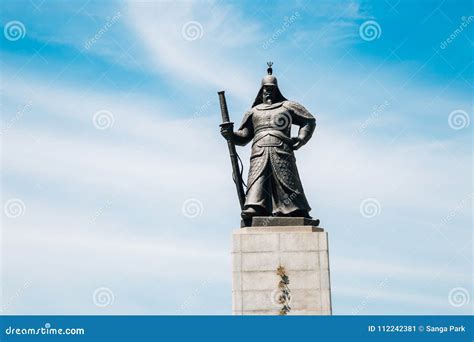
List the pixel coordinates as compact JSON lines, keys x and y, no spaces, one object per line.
{"x":274,"y":185}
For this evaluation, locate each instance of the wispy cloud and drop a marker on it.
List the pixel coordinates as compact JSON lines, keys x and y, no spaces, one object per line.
{"x":222,"y":34}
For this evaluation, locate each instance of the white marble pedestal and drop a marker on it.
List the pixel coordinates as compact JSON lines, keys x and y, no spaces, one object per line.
{"x":258,"y":252}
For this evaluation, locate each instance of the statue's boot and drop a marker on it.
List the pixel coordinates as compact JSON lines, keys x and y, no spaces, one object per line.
{"x":300,"y":213}
{"x":249,"y":212}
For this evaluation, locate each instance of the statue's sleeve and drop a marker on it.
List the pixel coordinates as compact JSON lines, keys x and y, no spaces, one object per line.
{"x":245,"y":133}
{"x":302,"y":118}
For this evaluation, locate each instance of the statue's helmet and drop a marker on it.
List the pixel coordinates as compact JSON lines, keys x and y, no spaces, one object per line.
{"x":269,"y":80}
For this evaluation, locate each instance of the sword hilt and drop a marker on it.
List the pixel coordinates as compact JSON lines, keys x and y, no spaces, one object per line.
{"x":223,"y":104}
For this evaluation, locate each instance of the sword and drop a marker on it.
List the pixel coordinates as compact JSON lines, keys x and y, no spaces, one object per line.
{"x":236,"y":175}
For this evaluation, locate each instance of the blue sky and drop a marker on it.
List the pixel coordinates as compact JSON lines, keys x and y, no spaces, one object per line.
{"x":109,"y":204}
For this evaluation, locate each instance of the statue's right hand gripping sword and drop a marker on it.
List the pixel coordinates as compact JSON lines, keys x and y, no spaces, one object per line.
{"x":234,"y":159}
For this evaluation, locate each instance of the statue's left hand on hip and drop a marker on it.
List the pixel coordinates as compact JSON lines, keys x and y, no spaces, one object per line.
{"x":297,"y":143}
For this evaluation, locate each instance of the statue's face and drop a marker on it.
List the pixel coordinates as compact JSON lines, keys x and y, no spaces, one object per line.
{"x":268,"y":94}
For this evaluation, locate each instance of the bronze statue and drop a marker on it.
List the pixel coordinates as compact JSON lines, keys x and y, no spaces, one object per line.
{"x":274,"y":187}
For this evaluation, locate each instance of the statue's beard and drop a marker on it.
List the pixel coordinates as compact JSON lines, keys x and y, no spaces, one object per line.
{"x":267,"y":99}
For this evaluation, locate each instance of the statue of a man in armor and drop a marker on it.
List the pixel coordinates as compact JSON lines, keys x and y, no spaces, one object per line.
{"x":274,"y":186}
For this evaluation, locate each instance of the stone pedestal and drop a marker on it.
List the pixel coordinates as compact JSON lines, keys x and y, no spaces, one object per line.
{"x":257,"y":254}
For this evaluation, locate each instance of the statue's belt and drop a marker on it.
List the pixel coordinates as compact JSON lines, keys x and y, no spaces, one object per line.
{"x":276,"y":133}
